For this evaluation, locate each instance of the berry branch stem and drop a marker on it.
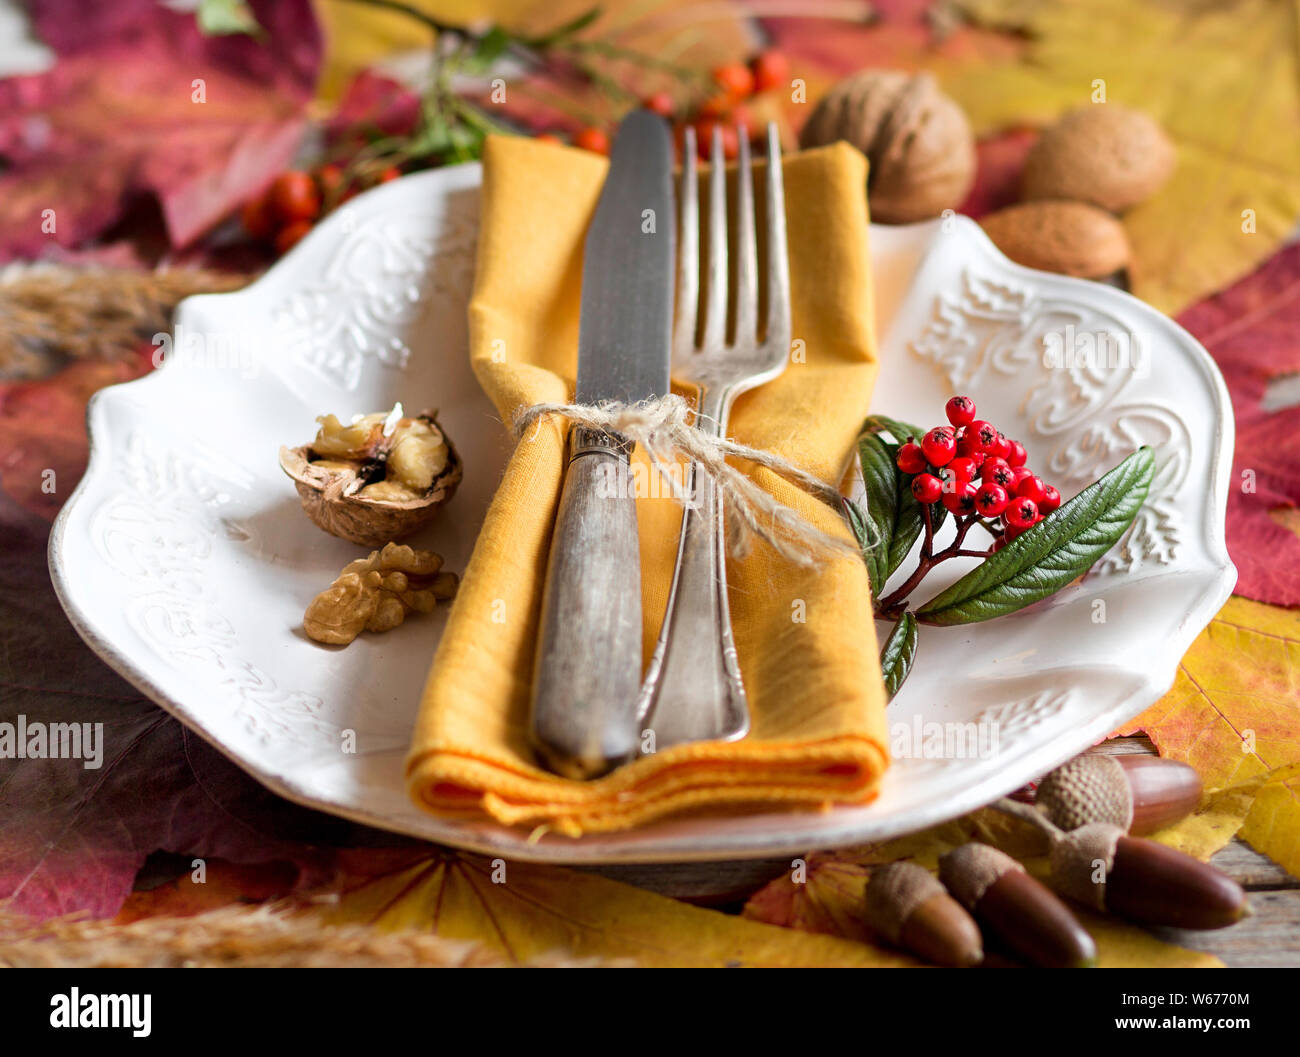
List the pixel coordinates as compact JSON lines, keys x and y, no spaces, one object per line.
{"x":615,"y":52}
{"x":895,"y":602}
{"x":410,"y":10}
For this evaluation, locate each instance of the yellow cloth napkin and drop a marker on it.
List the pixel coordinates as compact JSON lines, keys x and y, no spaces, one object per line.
{"x":805,"y":637}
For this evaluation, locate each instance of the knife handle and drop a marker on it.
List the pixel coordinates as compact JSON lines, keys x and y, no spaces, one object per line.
{"x":588,"y":672}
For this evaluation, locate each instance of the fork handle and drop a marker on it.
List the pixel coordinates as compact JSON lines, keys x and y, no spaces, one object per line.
{"x":588,"y":668}
{"x":693,"y":690}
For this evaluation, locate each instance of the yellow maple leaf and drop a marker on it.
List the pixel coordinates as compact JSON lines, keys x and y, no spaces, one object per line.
{"x":359,"y":35}
{"x":526,"y":911}
{"x":1234,"y":715}
{"x":1224,"y":81}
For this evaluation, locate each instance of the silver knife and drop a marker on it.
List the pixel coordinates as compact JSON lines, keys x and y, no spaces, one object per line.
{"x":588,"y":670}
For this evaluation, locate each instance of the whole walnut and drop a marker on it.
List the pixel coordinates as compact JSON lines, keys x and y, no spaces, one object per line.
{"x":918,"y":141}
{"x":1105,"y":154}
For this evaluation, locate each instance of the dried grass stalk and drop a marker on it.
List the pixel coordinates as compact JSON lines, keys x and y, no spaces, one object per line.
{"x":240,"y":936}
{"x":50,"y":313}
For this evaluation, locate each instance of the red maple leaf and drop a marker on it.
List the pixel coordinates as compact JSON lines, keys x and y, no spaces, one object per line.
{"x":72,"y":838}
{"x":1250,"y":329}
{"x":43,"y":448}
{"x":999,"y":161}
{"x":139,"y":102}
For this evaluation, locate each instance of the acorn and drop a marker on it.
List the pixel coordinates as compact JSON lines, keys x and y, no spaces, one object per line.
{"x":1012,"y":908}
{"x":907,"y":906}
{"x":1139,"y":794}
{"x":1100,"y":866}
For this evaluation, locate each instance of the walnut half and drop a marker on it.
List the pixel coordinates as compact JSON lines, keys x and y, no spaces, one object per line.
{"x":376,"y":592}
{"x":377,"y":478}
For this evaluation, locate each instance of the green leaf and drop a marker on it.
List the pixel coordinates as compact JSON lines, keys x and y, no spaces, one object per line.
{"x":898,"y":431}
{"x":883,"y":482}
{"x":223,"y":18}
{"x":857,"y":518}
{"x":1047,"y":557}
{"x":487,"y":49}
{"x":434,"y":136}
{"x":898,"y":653}
{"x":893,"y":516}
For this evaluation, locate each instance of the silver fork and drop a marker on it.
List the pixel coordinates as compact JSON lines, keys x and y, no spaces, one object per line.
{"x":693,"y":690}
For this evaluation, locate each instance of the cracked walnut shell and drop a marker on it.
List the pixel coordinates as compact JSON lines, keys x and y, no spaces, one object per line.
{"x":376,"y":592}
{"x":376,"y":479}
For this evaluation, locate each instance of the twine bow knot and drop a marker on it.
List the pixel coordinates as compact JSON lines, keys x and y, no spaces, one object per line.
{"x":663,"y":428}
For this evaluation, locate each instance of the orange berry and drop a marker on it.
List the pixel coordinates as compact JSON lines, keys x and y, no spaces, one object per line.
{"x":290,"y":235}
{"x":741,"y":115}
{"x":329,"y":178}
{"x":660,"y":103}
{"x":771,"y":70}
{"x":256,"y":217}
{"x":293,"y":196}
{"x":716,"y":106}
{"x":734,"y":79}
{"x":592,"y":139}
{"x":389,"y":175}
{"x":704,"y":139}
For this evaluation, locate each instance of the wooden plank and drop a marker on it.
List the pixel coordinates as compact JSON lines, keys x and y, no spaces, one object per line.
{"x":1270,"y":939}
{"x":1252,"y":870}
{"x":1137,"y":745}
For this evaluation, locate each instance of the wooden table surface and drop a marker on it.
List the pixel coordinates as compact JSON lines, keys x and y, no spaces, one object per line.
{"x":1270,"y":938}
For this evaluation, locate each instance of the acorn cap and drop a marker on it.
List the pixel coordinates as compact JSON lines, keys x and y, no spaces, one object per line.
{"x":908,"y":906}
{"x":893,"y":892}
{"x":1076,"y":858}
{"x":1089,"y":788}
{"x":970,"y":870}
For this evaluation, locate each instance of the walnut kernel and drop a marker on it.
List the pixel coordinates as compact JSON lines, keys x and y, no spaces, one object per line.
{"x":376,"y":592}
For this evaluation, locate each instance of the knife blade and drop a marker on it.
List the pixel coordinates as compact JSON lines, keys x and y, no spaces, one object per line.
{"x":625,"y":328}
{"x":587,"y":673}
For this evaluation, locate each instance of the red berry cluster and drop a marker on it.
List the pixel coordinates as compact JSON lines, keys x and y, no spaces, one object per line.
{"x":289,"y":208}
{"x":973,"y":469}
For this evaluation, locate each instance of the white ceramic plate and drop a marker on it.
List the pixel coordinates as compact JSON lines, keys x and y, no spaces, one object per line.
{"x":185,"y":562}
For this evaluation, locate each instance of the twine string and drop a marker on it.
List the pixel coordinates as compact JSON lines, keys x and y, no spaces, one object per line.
{"x":663,"y":429}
